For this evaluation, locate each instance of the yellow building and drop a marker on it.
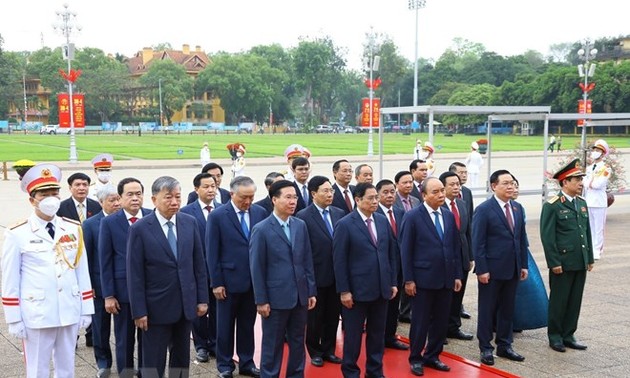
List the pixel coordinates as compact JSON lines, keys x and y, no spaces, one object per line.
{"x":37,"y":104}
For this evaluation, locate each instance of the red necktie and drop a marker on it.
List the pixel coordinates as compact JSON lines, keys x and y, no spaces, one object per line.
{"x":508,"y":215}
{"x":347,"y":198}
{"x":456,"y":213}
{"x":209,"y":208}
{"x":393,"y":222}
{"x":133,"y":220}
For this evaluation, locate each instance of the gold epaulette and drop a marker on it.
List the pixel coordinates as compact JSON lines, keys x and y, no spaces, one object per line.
{"x":553,"y":199}
{"x":71,"y":221}
{"x":18,"y":224}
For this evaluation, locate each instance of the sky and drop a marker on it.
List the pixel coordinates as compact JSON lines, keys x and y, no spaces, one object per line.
{"x":507,"y":27}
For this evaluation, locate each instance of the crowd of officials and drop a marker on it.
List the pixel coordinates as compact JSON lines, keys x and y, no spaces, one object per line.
{"x":312,"y":252}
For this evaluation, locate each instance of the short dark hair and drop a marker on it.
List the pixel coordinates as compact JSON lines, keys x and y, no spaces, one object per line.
{"x":271,"y":177}
{"x":494,"y":177}
{"x":210,"y":166}
{"x":78,"y":176}
{"x":382,"y":183}
{"x":315,"y":182}
{"x":276,"y":187}
{"x":337,"y":164}
{"x":414,"y":164}
{"x":299,"y":161}
{"x":425,"y":183}
{"x":125,"y":181}
{"x":448,"y":174}
{"x":454,"y":165}
{"x":361,"y":188}
{"x":201,"y":176}
{"x":400,"y":174}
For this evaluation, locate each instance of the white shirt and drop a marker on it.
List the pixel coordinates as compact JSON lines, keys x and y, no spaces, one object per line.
{"x":431,"y":211}
{"x":372,"y":224}
{"x":163,"y":222}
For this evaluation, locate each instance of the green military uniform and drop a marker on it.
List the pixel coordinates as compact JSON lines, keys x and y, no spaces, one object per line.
{"x":566,"y":237}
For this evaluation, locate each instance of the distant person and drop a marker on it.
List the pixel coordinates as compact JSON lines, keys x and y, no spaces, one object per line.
{"x":344,"y":192}
{"x":102,"y":164}
{"x":558,"y":143}
{"x":266,"y":203}
{"x":595,"y":184}
{"x":301,"y":169}
{"x":419,"y":171}
{"x":363,"y":173}
{"x":223,"y":195}
{"x":552,"y":143}
{"x":78,"y":206}
{"x":473,"y":162}
{"x":204,"y":154}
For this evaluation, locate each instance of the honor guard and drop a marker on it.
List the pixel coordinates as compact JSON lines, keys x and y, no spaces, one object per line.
{"x":595,"y":184}
{"x":103,"y":169}
{"x":292,"y":152}
{"x":46,"y":292}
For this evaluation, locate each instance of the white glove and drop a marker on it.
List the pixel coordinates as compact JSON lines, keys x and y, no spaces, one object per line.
{"x":85,"y":321}
{"x":17,"y":330}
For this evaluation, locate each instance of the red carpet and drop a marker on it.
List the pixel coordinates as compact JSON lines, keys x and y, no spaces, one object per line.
{"x":395,"y":364}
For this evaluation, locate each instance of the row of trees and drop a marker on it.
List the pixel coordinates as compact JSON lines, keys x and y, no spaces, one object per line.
{"x":311,"y":82}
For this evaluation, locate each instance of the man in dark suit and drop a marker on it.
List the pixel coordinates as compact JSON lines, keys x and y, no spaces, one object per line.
{"x":281,"y":265}
{"x":269,"y":179}
{"x":430,"y":250}
{"x":204,"y":328}
{"x":301,"y":169}
{"x":227,"y":254}
{"x":344,"y":192}
{"x":419,"y":170}
{"x":168,"y":281}
{"x":364,"y":257}
{"x":101,"y":320}
{"x":451,"y":183}
{"x":223,"y":196}
{"x":320,"y":218}
{"x":387,"y":196}
{"x":499,"y":243}
{"x":112,"y":251}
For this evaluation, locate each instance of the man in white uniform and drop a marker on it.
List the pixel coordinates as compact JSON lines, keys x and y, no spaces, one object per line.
{"x":103,"y":169}
{"x":595,"y":183}
{"x":46,"y":291}
{"x":473,"y":162}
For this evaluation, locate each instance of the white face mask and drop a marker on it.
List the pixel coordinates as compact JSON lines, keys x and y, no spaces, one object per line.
{"x":49,"y":206}
{"x":595,"y":154}
{"x":104,"y":176}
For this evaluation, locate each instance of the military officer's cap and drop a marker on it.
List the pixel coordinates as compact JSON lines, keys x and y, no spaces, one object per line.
{"x":41,"y":177}
{"x":296,"y":150}
{"x":601,"y":145}
{"x":573,"y":169}
{"x":103,"y":162}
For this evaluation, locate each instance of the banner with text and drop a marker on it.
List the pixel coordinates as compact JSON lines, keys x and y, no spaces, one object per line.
{"x":589,"y":107}
{"x":78,"y":110}
{"x":365,"y":112}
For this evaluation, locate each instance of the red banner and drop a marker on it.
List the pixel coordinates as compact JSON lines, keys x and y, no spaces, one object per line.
{"x":78,"y":109}
{"x":365,"y":112}
{"x":589,"y":108}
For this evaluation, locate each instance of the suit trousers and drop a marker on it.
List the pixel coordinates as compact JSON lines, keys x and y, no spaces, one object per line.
{"x":393,"y":312}
{"x":204,"y":328}
{"x":236,"y":310}
{"x":101,"y":331}
{"x":42,"y":344}
{"x":372,"y":314}
{"x":323,"y":321}
{"x":160,"y":338}
{"x":430,"y":308}
{"x":496,"y":298}
{"x":565,"y":301}
{"x":126,"y":332}
{"x":291,"y":323}
{"x":454,"y":318}
{"x":597,"y":218}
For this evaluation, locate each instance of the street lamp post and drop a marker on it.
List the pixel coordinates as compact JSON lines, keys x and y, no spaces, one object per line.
{"x":66,"y":28}
{"x":586,"y":70}
{"x":160,"y":94}
{"x":416,"y":5}
{"x":373,"y":63}
{"x":25,"y":101}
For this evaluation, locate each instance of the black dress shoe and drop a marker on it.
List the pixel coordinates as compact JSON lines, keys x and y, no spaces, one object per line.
{"x":396,"y":344}
{"x":332,"y":359}
{"x":88,"y":340}
{"x":437,"y":365}
{"x":460,"y":335}
{"x":574,"y":345}
{"x":225,"y":374}
{"x":464,"y":314}
{"x":202,"y":355}
{"x":417,"y":369}
{"x":404,"y":319}
{"x":253,"y":372}
{"x":317,"y":361}
{"x":487,"y":358}
{"x":558,"y":347}
{"x":510,"y":354}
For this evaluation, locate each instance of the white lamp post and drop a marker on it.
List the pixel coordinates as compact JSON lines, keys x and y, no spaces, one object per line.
{"x":25,"y":101}
{"x":586,"y":70}
{"x":416,"y":5}
{"x":373,"y":64}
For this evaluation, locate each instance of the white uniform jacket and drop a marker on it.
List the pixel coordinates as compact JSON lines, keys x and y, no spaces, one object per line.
{"x":595,"y":184}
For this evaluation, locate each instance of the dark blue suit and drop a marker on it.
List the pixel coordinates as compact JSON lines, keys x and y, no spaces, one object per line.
{"x":339,"y":199}
{"x":224,"y":196}
{"x":266,"y":204}
{"x":68,"y":209}
{"x":321,"y":330}
{"x":367,"y":271}
{"x":101,"y":320}
{"x":112,"y":253}
{"x":204,"y":328}
{"x":227,"y":255}
{"x":166,"y":289}
{"x":503,"y":254}
{"x":282,"y":276}
{"x":433,"y":264}
{"x":301,"y":203}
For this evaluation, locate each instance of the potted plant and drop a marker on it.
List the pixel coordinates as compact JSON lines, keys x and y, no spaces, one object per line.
{"x":483,"y":145}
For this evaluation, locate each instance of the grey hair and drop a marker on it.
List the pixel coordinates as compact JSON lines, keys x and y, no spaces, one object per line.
{"x":357,"y":170}
{"x":164,"y":182}
{"x":239,"y":181}
{"x":106,"y":191}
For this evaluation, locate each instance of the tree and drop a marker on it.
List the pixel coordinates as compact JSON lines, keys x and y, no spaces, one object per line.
{"x":177,"y":87}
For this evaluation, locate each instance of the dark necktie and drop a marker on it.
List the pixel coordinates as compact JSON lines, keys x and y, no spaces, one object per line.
{"x":438,"y":225}
{"x":172,"y":240}
{"x":305,"y":194}
{"x":392,"y":221}
{"x":406,"y":204}
{"x":456,"y":214}
{"x":347,"y":198}
{"x":51,"y":230}
{"x":209,"y":208}
{"x":133,"y":220}
{"x":244,"y":224}
{"x":508,"y":215}
{"x":372,"y":235}
{"x":326,"y":216}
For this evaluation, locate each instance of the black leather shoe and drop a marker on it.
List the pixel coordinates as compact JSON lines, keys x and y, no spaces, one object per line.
{"x":574,"y":345}
{"x":460,"y":335}
{"x":317,"y":361}
{"x":404,"y":319}
{"x":225,"y":374}
{"x":202,"y":355}
{"x":437,"y":365}
{"x":417,"y":369}
{"x":396,"y":344}
{"x":253,"y":372}
{"x":487,"y":358}
{"x":464,"y":314}
{"x":88,"y":340}
{"x":558,"y":347}
{"x":510,"y":354}
{"x":332,"y":359}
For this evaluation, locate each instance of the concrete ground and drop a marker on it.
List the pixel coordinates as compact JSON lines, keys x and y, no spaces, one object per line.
{"x":604,"y":323}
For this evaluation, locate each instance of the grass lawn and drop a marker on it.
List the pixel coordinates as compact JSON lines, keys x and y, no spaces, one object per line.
{"x":56,"y":147}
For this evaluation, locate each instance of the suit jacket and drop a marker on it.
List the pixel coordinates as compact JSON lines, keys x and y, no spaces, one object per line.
{"x":90,"y":240}
{"x":414,"y":202}
{"x":428,"y":260}
{"x":338,"y":198}
{"x":225,"y":196}
{"x":196,"y":211}
{"x":365,"y":270}
{"x":415,"y":192}
{"x":160,"y":286}
{"x":464,"y":233}
{"x":467,"y":197}
{"x":301,"y":203}
{"x":69,"y":210}
{"x":282,"y":269}
{"x":227,"y":248}
{"x":266,"y":204}
{"x":112,"y":254}
{"x":321,"y":242}
{"x":497,"y":249}
{"x":398,"y":218}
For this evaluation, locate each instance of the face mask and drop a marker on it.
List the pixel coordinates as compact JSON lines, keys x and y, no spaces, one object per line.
{"x":596,"y":155}
{"x":104,"y":176}
{"x":49,"y":206}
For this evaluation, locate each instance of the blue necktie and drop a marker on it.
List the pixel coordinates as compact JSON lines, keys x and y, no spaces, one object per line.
{"x":305,"y":194}
{"x":172,"y":240}
{"x":244,"y":224}
{"x":326,"y":221}
{"x":287,"y":232}
{"x":51,"y":230}
{"x":438,"y":225}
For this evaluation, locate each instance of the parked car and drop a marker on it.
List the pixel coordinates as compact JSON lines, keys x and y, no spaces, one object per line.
{"x":49,"y":129}
{"x":349,"y":130}
{"x":323,"y":129}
